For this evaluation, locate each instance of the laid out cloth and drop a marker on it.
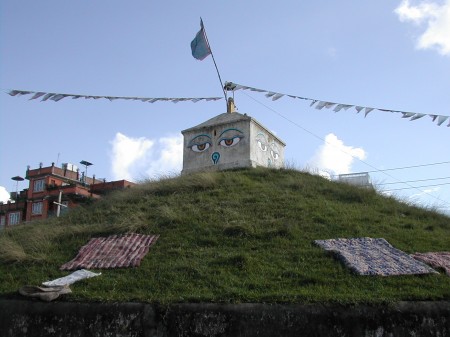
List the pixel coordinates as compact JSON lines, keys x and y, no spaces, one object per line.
{"x":44,"y":293}
{"x":72,"y":278}
{"x":435,"y":259}
{"x":116,"y":251}
{"x":374,"y":256}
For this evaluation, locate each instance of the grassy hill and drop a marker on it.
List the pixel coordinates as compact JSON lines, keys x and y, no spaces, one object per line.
{"x":234,"y":236}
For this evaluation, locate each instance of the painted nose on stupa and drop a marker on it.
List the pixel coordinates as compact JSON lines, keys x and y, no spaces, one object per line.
{"x":215,"y":157}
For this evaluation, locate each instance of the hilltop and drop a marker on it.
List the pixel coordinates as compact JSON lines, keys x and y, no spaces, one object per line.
{"x":232,"y":236}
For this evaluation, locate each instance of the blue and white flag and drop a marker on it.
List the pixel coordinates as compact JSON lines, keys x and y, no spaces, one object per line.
{"x":199,"y":45}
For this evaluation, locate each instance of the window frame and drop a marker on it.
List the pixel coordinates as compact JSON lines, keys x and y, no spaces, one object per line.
{"x":14,"y":218}
{"x":39,"y":185}
{"x":37,"y":207}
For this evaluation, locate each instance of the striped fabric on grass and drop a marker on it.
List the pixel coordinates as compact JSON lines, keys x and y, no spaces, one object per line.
{"x":116,"y":251}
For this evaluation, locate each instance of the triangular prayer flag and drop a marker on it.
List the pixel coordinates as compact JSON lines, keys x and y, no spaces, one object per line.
{"x":367,"y":110}
{"x":277,"y":96}
{"x":321,"y":105}
{"x":47,"y":96}
{"x":408,"y":114}
{"x":13,"y":92}
{"x":199,"y":45}
{"x":37,"y":95}
{"x":58,"y":97}
{"x":338,"y":107}
{"x":441,"y":119}
{"x":416,"y":116}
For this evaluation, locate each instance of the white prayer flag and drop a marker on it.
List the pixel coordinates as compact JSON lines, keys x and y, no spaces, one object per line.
{"x":408,"y":114}
{"x":441,"y":120}
{"x":37,"y":95}
{"x":417,"y":116}
{"x":321,"y":105}
{"x":277,"y":96}
{"x":46,"y":97}
{"x":367,"y":111}
{"x":338,"y":107}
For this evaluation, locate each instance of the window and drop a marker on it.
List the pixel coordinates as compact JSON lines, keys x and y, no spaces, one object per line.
{"x":39,"y":185}
{"x":14,"y":218}
{"x":36,"y":208}
{"x":2,"y":221}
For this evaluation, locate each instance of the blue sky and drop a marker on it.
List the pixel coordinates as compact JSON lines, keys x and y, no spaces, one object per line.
{"x":385,"y":54}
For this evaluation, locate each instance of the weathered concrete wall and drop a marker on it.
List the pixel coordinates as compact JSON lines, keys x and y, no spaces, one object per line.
{"x":32,"y":318}
{"x":265,"y":149}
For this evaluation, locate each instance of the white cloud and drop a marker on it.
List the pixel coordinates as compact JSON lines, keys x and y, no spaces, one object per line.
{"x":437,"y":20}
{"x":4,"y":194}
{"x":127,"y":153}
{"x":168,"y":157}
{"x":334,"y":157}
{"x":135,"y":157}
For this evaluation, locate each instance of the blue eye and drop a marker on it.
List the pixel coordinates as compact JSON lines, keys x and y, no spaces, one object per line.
{"x":200,"y":147}
{"x":229,"y":142}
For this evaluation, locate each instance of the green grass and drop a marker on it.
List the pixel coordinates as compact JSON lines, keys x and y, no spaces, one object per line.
{"x":234,"y":236}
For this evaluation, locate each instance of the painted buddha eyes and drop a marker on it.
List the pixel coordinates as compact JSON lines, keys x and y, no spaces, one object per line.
{"x":228,"y":138}
{"x":226,"y":142}
{"x":262,"y":142}
{"x":200,"y":143}
{"x":229,"y":142}
{"x":200,"y":147}
{"x":262,"y":146}
{"x":274,"y":151}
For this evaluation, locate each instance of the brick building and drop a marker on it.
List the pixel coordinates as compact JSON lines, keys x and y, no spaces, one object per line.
{"x":53,"y":190}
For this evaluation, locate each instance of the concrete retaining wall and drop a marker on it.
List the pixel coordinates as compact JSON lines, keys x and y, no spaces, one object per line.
{"x":33,"y":318}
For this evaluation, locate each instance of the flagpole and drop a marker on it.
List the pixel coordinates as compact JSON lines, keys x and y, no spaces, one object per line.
{"x":215,"y":64}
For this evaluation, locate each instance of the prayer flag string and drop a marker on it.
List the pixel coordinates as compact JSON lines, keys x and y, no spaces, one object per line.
{"x":59,"y":96}
{"x":320,"y":104}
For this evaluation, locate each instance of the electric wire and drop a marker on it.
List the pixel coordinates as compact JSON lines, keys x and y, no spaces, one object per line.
{"x":408,"y":167}
{"x":408,"y":188}
{"x":413,"y":181}
{"x":322,"y":139}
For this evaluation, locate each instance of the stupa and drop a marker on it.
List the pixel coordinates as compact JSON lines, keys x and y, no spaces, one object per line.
{"x":230,"y":140}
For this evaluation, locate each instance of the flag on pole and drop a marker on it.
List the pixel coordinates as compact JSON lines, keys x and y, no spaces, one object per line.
{"x":199,"y":45}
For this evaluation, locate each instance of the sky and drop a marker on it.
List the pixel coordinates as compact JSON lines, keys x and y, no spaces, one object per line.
{"x":391,"y":55}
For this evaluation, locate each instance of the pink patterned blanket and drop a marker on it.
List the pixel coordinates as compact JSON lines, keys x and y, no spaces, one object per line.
{"x":116,"y":251}
{"x":436,"y":260}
